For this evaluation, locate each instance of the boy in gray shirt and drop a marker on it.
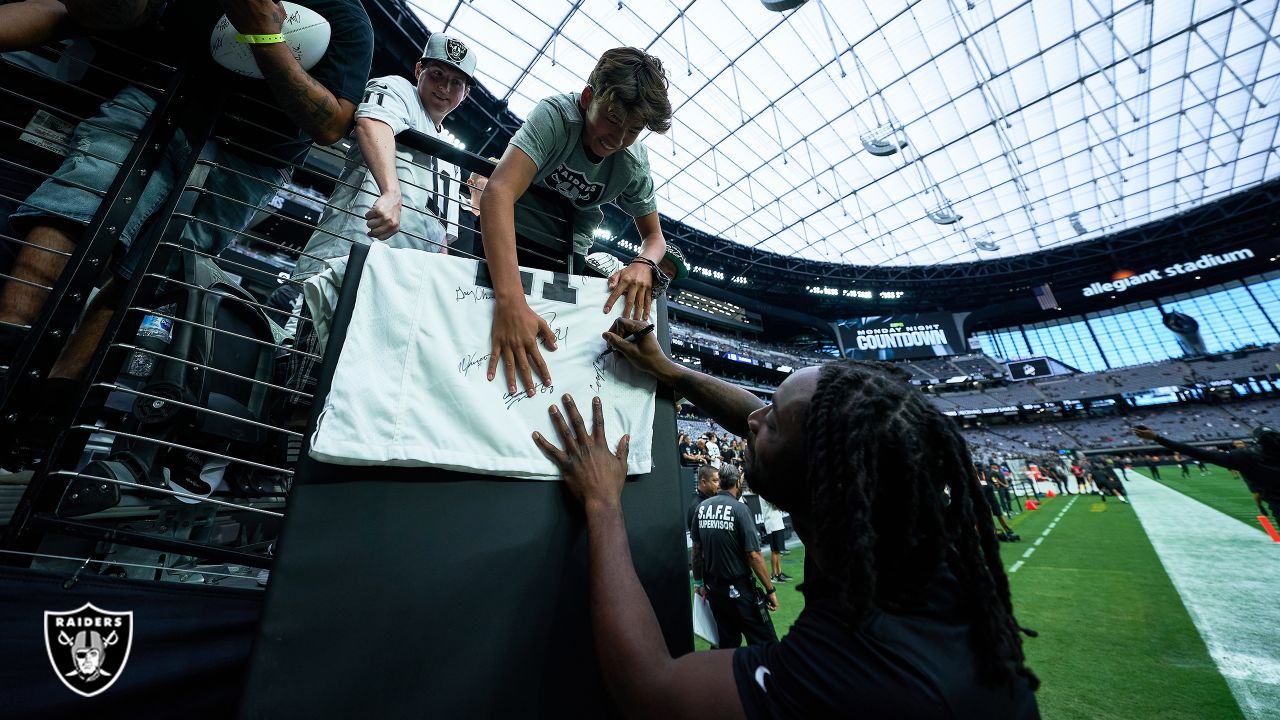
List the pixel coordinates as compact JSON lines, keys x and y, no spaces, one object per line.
{"x":582,"y":145}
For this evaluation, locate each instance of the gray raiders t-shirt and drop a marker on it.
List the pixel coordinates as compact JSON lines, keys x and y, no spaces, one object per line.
{"x":552,"y":137}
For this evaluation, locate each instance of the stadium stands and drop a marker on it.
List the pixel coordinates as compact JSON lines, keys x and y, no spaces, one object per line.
{"x":1030,"y":434}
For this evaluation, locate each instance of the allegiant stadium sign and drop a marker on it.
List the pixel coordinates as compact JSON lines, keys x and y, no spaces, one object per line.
{"x":1206,"y":261}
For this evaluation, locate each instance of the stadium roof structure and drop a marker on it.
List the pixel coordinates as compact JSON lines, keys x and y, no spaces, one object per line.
{"x":915,"y":133}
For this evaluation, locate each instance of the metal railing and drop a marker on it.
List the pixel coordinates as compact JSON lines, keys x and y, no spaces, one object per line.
{"x":180,"y":451}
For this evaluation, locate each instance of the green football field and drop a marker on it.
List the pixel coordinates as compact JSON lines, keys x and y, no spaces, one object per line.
{"x":1216,"y":488}
{"x":1114,"y":638}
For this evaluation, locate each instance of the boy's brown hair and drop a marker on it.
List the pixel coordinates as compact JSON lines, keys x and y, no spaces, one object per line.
{"x":633,"y":84}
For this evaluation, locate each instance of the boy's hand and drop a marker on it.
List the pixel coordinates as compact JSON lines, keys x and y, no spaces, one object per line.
{"x":383,"y":218}
{"x":515,"y":333}
{"x":475,"y":187}
{"x":634,"y":283}
{"x":594,"y":473}
{"x":644,"y":354}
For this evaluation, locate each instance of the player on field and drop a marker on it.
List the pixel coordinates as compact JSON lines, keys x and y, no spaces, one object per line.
{"x":1259,"y":465}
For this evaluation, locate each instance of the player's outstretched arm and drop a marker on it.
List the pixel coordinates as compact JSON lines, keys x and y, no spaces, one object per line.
{"x":642,"y":677}
{"x":1229,"y":460}
{"x":727,"y":404}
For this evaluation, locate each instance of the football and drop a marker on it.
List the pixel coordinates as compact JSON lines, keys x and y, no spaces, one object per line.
{"x":305,"y":31}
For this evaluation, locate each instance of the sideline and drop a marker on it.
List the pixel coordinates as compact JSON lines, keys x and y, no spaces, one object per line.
{"x":1225,"y":572}
{"x":1016,"y":566}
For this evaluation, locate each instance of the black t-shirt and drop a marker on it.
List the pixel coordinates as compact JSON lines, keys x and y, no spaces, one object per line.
{"x":186,"y":27}
{"x":697,"y":499}
{"x":689,"y":449}
{"x":1103,"y":475}
{"x":988,"y":483}
{"x":897,"y":666}
{"x":727,"y":532}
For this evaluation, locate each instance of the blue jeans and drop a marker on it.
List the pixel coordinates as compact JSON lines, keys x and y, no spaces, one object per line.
{"x":99,"y":146}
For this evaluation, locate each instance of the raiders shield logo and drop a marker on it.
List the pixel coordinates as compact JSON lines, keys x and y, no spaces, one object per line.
{"x":455,"y":50}
{"x":88,"y":647}
{"x":575,"y":186}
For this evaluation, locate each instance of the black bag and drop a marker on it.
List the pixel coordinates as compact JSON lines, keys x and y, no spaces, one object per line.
{"x":221,"y":337}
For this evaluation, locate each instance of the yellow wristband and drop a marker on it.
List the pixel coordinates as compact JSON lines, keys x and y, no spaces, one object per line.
{"x":260,"y":39}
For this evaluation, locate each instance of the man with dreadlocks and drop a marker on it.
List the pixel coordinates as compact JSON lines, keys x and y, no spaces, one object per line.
{"x":907,"y":608}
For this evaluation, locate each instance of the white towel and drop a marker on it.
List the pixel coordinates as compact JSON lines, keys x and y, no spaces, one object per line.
{"x":410,"y":389}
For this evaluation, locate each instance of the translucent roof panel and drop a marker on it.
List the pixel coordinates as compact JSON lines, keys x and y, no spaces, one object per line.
{"x":999,"y":127}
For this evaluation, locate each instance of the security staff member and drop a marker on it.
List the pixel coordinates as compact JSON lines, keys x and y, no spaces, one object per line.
{"x":726,"y":552}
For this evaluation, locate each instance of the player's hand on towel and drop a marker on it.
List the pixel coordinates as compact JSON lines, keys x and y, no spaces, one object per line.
{"x":633,"y":283}
{"x":644,"y":354}
{"x":593,"y":472}
{"x":515,"y":333}
{"x":383,"y":218}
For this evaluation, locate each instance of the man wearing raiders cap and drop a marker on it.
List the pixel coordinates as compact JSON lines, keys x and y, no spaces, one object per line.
{"x":409,"y":198}
{"x":1259,"y":465}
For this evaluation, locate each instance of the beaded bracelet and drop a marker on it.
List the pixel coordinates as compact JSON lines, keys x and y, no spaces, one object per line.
{"x":661,"y":279}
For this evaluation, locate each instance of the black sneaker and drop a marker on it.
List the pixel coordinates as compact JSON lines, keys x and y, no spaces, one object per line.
{"x":777,"y":578}
{"x":785,"y":577}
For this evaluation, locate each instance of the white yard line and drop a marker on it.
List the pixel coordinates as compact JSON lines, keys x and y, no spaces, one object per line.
{"x":1014,"y":567}
{"x":1226,"y":574}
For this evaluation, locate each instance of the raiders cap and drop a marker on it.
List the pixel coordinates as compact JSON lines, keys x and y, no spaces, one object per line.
{"x":451,"y":52}
{"x":677,"y":258}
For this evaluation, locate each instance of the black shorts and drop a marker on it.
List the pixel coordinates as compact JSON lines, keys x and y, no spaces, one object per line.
{"x":777,"y":540}
{"x":990,"y":494}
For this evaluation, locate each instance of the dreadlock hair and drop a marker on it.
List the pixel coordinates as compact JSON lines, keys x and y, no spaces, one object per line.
{"x":881,"y":457}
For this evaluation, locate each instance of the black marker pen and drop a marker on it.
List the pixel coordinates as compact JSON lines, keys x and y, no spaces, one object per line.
{"x":630,"y":338}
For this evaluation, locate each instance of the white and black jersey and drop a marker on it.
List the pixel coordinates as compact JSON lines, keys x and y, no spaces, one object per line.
{"x":431,"y":189}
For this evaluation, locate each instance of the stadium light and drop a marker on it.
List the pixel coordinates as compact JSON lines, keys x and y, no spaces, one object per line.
{"x":449,"y":136}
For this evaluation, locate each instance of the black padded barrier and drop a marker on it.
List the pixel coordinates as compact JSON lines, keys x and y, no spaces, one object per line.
{"x":188,"y":655}
{"x":416,"y":592}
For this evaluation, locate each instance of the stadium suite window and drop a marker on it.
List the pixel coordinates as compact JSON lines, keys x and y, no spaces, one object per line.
{"x":1007,"y":344}
{"x":1229,"y":319}
{"x":1134,"y":336}
{"x":1069,"y":342}
{"x":1267,"y":291}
